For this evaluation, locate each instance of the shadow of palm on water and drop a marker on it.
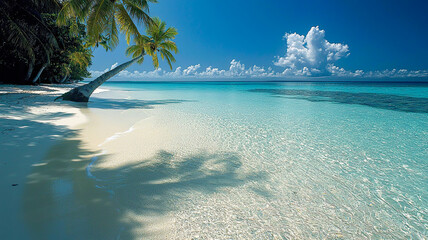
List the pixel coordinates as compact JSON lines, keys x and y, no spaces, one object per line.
{"x":66,"y":198}
{"x":376,"y":100}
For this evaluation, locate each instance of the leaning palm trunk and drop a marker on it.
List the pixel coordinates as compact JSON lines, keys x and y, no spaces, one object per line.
{"x":82,"y":93}
{"x":29,"y":72}
{"x":65,"y":78}
{"x":34,"y":81}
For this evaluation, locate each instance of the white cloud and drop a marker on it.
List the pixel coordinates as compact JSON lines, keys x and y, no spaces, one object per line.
{"x":98,"y":73}
{"x":310,"y":55}
{"x":212,"y":72}
{"x":114,"y":66}
{"x":236,"y":70}
{"x":191,"y":70}
{"x":394,"y":73}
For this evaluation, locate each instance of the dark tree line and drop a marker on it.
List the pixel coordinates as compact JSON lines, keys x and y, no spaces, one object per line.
{"x":34,"y":49}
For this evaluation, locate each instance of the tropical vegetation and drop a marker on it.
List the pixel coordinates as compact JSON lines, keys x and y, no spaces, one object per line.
{"x":34,"y":49}
{"x":52,"y":40}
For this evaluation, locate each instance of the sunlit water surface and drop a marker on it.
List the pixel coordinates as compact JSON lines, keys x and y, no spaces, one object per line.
{"x":239,"y":161}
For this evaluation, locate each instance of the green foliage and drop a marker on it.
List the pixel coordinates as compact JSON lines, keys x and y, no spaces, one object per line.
{"x":30,"y":39}
{"x":104,"y":17}
{"x":158,"y":40}
{"x":71,"y":59}
{"x":25,"y":37}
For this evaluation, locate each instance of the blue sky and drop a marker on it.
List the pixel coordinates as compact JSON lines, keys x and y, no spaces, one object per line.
{"x":354,"y":39}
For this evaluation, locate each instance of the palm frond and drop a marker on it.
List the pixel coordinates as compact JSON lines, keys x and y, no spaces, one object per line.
{"x":169,"y":45}
{"x":141,"y":60}
{"x":76,"y":10}
{"x":67,"y":12}
{"x":131,"y":49}
{"x":167,"y":55}
{"x":155,"y":60}
{"x":99,"y":14}
{"x":112,"y":33}
{"x":135,"y":51}
{"x":170,"y":33}
{"x":141,"y":40}
{"x":18,"y":35}
{"x":139,"y":10}
{"x":143,"y":4}
{"x":127,"y":26}
{"x":98,"y":19}
{"x":79,"y":58}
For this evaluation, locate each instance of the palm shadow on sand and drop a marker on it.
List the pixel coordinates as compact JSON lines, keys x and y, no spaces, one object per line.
{"x":65,"y":196}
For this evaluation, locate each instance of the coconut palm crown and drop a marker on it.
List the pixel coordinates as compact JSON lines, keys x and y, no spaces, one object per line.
{"x":158,"y":41}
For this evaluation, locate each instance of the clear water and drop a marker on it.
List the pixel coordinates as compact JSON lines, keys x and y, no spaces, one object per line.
{"x":243,"y":161}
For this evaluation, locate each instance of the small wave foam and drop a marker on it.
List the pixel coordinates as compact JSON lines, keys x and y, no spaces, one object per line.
{"x":90,"y":165}
{"x":116,"y":135}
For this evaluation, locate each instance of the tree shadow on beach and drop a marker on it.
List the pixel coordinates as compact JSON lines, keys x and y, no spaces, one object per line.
{"x":58,"y":199}
{"x":376,"y":100}
{"x":123,"y":104}
{"x":58,"y":190}
{"x":16,"y":107}
{"x":23,"y":143}
{"x":67,"y":195}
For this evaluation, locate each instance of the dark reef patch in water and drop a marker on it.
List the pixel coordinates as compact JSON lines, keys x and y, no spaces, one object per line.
{"x":376,"y":100}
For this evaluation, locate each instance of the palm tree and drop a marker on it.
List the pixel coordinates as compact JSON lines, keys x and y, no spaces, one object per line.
{"x":102,"y":18}
{"x":158,"y":41}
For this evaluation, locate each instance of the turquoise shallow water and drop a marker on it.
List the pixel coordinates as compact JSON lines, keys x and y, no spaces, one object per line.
{"x":329,"y":159}
{"x":240,"y":161}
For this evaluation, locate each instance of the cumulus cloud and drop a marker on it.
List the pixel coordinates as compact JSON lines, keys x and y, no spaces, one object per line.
{"x":191,"y":70}
{"x":310,"y":55}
